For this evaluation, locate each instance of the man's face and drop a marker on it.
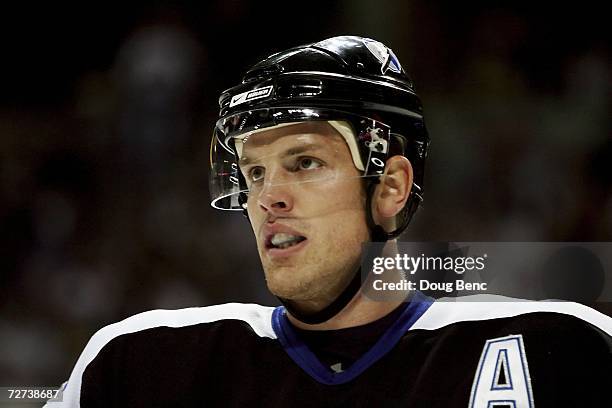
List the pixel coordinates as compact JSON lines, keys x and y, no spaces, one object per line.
{"x":306,"y":206}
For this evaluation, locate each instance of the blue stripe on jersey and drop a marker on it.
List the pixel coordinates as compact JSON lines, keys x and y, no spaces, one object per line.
{"x":301,"y":354}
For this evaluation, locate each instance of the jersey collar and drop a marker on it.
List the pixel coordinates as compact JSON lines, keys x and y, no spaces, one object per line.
{"x":306,"y":359}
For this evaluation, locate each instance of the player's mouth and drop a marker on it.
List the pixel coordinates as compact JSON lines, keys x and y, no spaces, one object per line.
{"x":283,"y":243}
{"x":283,"y":240}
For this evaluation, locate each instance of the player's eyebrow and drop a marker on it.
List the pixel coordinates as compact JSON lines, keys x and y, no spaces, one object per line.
{"x":292,"y":151}
{"x":301,"y":149}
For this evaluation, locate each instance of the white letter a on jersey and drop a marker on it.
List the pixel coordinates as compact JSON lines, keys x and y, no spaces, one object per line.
{"x":502,"y":378}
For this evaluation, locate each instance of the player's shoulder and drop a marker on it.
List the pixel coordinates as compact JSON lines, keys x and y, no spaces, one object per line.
{"x":154,"y":326}
{"x":554,"y":315}
{"x":256,"y":316}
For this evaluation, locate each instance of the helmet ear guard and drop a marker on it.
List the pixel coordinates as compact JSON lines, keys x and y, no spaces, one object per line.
{"x":398,"y":147}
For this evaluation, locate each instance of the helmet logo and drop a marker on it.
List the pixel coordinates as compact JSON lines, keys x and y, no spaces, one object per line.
{"x":373,"y":139}
{"x":394,"y":64}
{"x":386,"y":57}
{"x":251,"y":95}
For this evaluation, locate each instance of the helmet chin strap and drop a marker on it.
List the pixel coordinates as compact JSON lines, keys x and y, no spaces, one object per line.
{"x":330,"y":310}
{"x":377,"y":234}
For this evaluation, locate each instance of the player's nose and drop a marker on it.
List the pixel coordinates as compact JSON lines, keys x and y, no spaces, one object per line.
{"x":276,"y":197}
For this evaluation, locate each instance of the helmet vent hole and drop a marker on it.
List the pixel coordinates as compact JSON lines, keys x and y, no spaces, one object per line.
{"x":262,"y":73}
{"x":301,"y":89}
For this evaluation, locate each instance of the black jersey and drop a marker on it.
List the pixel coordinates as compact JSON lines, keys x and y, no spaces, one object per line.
{"x":478,"y":352}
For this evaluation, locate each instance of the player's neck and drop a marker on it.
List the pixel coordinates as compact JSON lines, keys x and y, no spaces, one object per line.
{"x":366,"y":306}
{"x":361,"y":310}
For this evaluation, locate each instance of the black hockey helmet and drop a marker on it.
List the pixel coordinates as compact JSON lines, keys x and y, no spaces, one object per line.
{"x":345,"y":79}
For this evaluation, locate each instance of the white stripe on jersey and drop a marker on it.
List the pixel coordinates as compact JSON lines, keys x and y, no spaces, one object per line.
{"x":447,"y":311}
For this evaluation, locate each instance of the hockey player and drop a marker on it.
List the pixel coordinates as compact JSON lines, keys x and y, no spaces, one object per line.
{"x":323,"y":147}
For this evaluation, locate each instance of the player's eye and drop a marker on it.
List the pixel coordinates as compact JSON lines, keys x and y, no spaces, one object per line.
{"x":256,"y":174}
{"x":308,"y":163}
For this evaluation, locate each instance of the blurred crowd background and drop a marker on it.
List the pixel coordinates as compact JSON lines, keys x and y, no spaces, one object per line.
{"x":106,"y":113}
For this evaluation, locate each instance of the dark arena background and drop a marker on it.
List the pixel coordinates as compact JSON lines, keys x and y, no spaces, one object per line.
{"x":106,"y":113}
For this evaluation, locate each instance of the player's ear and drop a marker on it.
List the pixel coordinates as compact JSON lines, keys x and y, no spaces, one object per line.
{"x":393,"y":190}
